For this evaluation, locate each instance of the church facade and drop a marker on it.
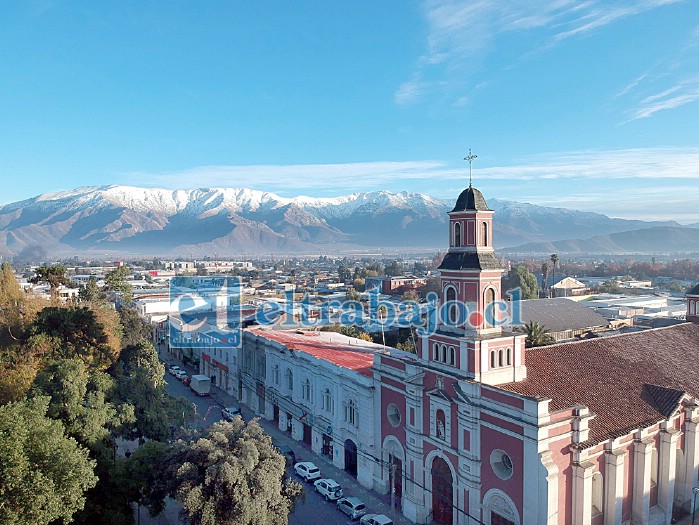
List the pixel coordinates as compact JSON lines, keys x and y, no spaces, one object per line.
{"x":477,"y":429}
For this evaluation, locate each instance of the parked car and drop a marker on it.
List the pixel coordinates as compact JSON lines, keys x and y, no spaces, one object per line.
{"x":329,"y":488}
{"x":186,"y":381}
{"x":229,"y":413}
{"x":180,"y":374}
{"x":289,"y":455}
{"x":307,"y":470}
{"x":352,"y":506}
{"x":173,"y":369}
{"x":375,"y":519}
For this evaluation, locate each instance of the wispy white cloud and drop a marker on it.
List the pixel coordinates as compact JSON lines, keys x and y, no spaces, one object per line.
{"x":632,"y":183}
{"x":409,"y":92}
{"x":463,"y":32}
{"x":671,"y":98}
{"x":640,"y":163}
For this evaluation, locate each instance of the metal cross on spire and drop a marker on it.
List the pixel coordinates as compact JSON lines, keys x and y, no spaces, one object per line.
{"x":470,"y":160}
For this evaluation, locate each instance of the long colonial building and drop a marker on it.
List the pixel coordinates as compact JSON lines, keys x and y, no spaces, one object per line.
{"x":477,"y":429}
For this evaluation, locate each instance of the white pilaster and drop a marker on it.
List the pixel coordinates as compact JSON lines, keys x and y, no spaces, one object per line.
{"x":614,"y":461}
{"x":640,"y":507}
{"x":548,"y":493}
{"x":691,"y":456}
{"x":582,"y":493}
{"x":667,"y":465}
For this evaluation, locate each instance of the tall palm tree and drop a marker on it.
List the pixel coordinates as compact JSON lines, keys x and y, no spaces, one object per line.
{"x":545,"y":269}
{"x":554,"y":262}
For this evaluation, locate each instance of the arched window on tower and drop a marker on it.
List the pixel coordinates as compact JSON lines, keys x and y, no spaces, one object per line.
{"x":509,"y":356}
{"x":457,"y":234}
{"x":453,"y":308}
{"x":500,"y":358}
{"x":484,"y":233}
{"x":493,"y":359}
{"x":488,"y":310}
{"x":435,"y":352}
{"x":452,"y":356}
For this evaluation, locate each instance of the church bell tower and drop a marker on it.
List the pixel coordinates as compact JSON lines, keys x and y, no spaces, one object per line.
{"x":472,"y":331}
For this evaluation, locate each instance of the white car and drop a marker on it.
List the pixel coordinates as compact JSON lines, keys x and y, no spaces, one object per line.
{"x":229,"y":413}
{"x":329,"y":488}
{"x":352,"y":506}
{"x":375,"y":519}
{"x":307,"y":471}
{"x":173,"y":369}
{"x":180,"y":374}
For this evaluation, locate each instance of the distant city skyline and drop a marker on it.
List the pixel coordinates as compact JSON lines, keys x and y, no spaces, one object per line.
{"x":583,"y":105}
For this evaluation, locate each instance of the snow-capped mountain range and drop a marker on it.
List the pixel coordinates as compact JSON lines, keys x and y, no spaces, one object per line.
{"x":231,"y":221}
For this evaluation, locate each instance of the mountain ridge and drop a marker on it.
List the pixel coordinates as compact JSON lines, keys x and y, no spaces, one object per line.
{"x":136,"y":220}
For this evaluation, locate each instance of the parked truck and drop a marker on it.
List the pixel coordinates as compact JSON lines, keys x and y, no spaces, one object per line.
{"x":200,"y":384}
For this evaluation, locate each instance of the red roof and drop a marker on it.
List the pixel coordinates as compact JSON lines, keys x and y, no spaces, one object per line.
{"x":629,"y":381}
{"x":346,"y":352}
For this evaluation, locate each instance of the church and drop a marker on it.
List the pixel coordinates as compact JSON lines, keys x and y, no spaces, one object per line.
{"x":478,"y":429}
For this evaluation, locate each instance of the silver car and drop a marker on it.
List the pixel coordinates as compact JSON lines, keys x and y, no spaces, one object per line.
{"x":352,"y":506}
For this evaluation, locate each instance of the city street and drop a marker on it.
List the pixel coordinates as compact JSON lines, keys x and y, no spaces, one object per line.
{"x":312,"y":508}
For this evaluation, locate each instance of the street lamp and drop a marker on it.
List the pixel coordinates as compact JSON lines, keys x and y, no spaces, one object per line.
{"x":695,"y":491}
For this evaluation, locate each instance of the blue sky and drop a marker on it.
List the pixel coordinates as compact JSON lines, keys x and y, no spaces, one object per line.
{"x":591,"y":105}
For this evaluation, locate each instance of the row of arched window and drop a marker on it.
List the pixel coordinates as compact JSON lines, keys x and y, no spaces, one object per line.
{"x":444,"y":354}
{"x":454,"y":313}
{"x":327,"y":398}
{"x":457,"y":239}
{"x":500,"y":358}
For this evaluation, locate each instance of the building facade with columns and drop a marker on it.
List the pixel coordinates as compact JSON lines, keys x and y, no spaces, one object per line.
{"x":476,"y":429}
{"x":479,"y":429}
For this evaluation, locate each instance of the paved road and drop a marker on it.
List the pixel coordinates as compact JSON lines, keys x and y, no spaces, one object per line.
{"x":312,"y":508}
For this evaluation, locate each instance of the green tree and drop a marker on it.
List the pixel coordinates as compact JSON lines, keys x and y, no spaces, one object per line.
{"x":54,"y":276}
{"x":545,"y":269}
{"x":343,"y":272}
{"x":393,"y":268}
{"x":80,"y":399}
{"x":141,"y":383}
{"x":520,"y":277}
{"x":134,"y":328}
{"x":115,"y":281}
{"x":537,"y":335}
{"x":353,"y":295}
{"x":43,"y":473}
{"x":79,"y":333}
{"x":90,"y":292}
{"x":407,"y":346}
{"x":232,"y":475}
{"x":554,"y":265}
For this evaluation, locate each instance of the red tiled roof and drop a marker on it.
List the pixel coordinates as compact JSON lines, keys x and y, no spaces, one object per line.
{"x":621,"y":378}
{"x":343,"y":351}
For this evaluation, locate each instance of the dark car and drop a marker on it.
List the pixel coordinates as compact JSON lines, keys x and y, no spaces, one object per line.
{"x":289,"y":455}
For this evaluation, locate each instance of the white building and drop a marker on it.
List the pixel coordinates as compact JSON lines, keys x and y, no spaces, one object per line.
{"x":319,"y":387}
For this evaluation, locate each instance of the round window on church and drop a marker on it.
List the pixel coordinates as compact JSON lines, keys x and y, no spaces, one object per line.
{"x":393,"y":415}
{"x":501,"y":464}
